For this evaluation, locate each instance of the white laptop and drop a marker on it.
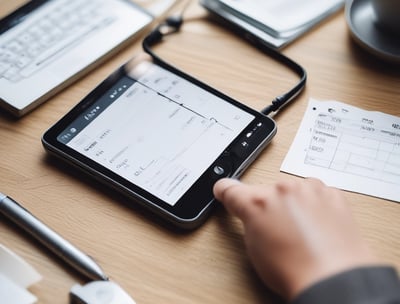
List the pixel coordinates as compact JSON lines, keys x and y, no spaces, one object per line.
{"x":47,"y":44}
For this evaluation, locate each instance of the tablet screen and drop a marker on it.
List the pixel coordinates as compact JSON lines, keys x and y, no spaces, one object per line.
{"x":156,"y":130}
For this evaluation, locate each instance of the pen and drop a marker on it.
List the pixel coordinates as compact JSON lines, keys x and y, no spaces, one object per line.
{"x":49,"y":238}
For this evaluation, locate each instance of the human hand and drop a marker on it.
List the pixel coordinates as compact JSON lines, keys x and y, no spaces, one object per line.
{"x":297,"y":232}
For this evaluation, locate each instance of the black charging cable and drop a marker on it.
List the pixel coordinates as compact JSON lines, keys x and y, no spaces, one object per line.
{"x":173,"y":24}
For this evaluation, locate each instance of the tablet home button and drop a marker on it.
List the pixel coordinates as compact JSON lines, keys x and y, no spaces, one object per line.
{"x":219,"y":170}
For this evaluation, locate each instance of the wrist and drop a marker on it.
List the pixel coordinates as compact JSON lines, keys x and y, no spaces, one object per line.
{"x":356,"y":286}
{"x":312,"y":274}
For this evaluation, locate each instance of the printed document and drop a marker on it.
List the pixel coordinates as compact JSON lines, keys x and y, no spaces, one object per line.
{"x":348,"y":148}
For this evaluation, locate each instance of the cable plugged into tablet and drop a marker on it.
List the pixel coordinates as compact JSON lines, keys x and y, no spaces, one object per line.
{"x":174,"y":23}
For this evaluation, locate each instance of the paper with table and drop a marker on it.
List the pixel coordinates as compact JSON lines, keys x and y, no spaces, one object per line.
{"x":348,"y":148}
{"x":16,"y":275}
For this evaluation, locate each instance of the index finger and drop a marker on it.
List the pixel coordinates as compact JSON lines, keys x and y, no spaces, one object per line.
{"x":237,"y":197}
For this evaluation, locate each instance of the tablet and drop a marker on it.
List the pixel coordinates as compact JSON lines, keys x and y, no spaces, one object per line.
{"x":160,"y":137}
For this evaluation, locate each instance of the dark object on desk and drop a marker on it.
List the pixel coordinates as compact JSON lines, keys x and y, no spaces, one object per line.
{"x":53,"y":241}
{"x":387,"y":14}
{"x":367,"y":33}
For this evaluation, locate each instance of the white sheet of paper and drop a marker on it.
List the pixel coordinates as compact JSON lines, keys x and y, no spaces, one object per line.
{"x":348,"y":148}
{"x":13,"y":293}
{"x":283,"y":15}
{"x":15,"y":276}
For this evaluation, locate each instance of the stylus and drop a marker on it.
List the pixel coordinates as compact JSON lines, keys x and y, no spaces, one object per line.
{"x":53,"y":241}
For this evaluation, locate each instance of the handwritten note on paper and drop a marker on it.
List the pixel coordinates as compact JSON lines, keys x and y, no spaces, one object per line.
{"x":348,"y":148}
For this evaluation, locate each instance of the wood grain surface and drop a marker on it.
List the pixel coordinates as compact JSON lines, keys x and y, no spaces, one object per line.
{"x":151,"y":261}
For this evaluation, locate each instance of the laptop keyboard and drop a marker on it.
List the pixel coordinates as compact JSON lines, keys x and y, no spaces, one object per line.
{"x":62,"y":27}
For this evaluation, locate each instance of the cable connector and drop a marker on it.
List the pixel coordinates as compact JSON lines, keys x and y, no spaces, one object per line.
{"x":175,"y":21}
{"x":171,"y":25}
{"x":276,"y":104}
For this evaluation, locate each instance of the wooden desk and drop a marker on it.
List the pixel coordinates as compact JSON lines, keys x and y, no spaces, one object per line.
{"x":150,"y":261}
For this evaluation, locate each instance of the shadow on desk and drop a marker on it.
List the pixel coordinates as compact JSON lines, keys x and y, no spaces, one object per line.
{"x":372,"y":62}
{"x":7,"y":116}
